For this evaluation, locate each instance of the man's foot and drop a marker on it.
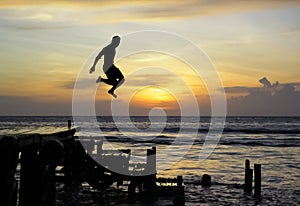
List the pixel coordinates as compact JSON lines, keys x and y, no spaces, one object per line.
{"x":99,"y":79}
{"x":112,"y":93}
{"x":92,"y":69}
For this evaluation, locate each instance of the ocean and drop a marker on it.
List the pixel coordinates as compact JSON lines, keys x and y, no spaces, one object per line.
{"x":273,"y":142}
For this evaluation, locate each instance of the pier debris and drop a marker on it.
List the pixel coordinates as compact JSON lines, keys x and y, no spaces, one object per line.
{"x":257,"y":180}
{"x":49,"y":157}
{"x":248,"y":177}
{"x":206,"y":180}
{"x":8,"y":162}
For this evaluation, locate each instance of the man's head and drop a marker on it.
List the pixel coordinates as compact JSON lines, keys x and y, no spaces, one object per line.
{"x":115,"y":41}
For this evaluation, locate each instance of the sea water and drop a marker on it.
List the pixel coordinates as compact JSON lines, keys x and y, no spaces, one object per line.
{"x":273,"y":142}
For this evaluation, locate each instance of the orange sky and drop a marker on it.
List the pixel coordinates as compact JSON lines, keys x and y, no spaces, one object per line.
{"x":44,"y":46}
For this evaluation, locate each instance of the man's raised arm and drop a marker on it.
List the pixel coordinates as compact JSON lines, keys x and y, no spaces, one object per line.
{"x":92,"y":69}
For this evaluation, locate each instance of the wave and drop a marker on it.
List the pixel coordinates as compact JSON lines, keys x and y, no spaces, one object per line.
{"x":225,"y":130}
{"x":254,"y":131}
{"x":160,"y":140}
{"x":263,"y":143}
{"x":167,"y":140}
{"x":175,"y":130}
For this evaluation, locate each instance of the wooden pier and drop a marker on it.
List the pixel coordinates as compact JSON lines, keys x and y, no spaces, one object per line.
{"x":49,"y":155}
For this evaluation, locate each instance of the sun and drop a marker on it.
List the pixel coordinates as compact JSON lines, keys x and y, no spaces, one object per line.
{"x":154,"y":96}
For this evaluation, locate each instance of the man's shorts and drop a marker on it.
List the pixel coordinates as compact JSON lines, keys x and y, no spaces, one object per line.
{"x":114,"y":73}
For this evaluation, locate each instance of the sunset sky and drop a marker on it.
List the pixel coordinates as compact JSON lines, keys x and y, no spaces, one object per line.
{"x":45,"y":44}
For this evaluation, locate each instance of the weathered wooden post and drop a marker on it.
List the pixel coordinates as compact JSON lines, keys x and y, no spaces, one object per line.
{"x":179,"y":181}
{"x":180,"y":187}
{"x":29,"y":176}
{"x":69,"y":124}
{"x":50,"y":155}
{"x":248,"y":177}
{"x":125,"y":165}
{"x":131,"y":190}
{"x":151,"y":161}
{"x":75,"y":161}
{"x":147,"y":178}
{"x":257,"y":180}
{"x":8,"y":162}
{"x":150,"y":171}
{"x":99,"y":147}
{"x":206,"y":180}
{"x":67,"y":162}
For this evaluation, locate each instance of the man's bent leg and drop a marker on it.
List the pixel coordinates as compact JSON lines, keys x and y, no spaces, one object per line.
{"x":116,"y":85}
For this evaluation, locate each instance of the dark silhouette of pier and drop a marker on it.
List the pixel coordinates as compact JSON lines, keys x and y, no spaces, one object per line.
{"x":44,"y":157}
{"x":39,"y":153}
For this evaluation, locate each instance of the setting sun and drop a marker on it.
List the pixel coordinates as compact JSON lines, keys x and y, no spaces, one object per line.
{"x":154,"y":97}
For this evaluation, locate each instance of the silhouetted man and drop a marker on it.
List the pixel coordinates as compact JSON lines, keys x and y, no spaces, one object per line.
{"x":114,"y":75}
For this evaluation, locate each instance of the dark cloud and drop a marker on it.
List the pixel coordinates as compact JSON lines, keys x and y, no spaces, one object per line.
{"x":239,"y":89}
{"x":247,"y":90}
{"x":32,"y":106}
{"x":67,"y":85}
{"x":277,"y":99}
{"x":18,"y":105}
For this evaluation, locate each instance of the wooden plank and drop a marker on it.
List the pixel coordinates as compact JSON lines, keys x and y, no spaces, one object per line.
{"x":26,"y":139}
{"x":59,"y":135}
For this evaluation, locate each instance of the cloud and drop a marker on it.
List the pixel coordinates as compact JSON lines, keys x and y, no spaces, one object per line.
{"x":83,"y":83}
{"x":150,"y":79}
{"x":247,"y":90}
{"x":35,"y":18}
{"x":33,"y":106}
{"x":292,"y":32}
{"x":37,"y":26}
{"x":277,"y":99}
{"x":118,"y":11}
{"x":56,"y":14}
{"x":239,"y":89}
{"x":24,"y":105}
{"x":186,"y":9}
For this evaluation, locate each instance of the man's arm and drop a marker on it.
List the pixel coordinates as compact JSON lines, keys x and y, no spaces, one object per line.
{"x":92,"y":69}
